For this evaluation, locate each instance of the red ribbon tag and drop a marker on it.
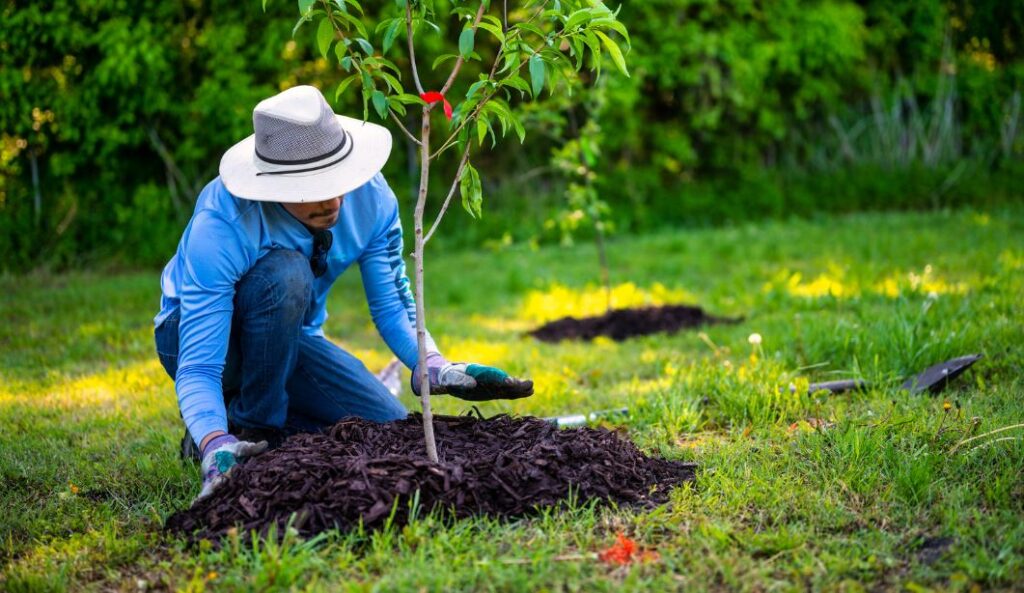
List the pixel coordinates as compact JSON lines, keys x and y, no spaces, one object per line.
{"x":434,"y":97}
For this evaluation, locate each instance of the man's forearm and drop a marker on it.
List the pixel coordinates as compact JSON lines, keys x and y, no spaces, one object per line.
{"x":201,"y":400}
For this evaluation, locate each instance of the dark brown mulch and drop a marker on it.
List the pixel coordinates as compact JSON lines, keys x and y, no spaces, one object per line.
{"x":621,"y":324}
{"x":500,"y":466}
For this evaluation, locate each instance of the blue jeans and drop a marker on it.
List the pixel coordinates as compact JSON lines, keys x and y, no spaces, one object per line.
{"x":276,"y":376}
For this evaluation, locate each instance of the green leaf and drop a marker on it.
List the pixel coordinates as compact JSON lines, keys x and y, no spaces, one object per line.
{"x":380,"y":103}
{"x":531,"y":28}
{"x":339,"y":52}
{"x":537,"y":72}
{"x":614,"y":51}
{"x":264,"y":5}
{"x":472,"y":195}
{"x":473,"y":88}
{"x":515,"y":81}
{"x":356,"y":6}
{"x":324,"y":36}
{"x":392,"y":82}
{"x":577,"y":50}
{"x":409,"y":99}
{"x":389,"y":64}
{"x":614,"y":25}
{"x":466,"y":41}
{"x":494,"y":30}
{"x":518,"y":126}
{"x":442,"y":59}
{"x":502,"y":111}
{"x":302,"y":20}
{"x":353,"y":21}
{"x":343,"y":86}
{"x":391,"y":34}
{"x":511,"y":61}
{"x":463,"y":109}
{"x":481,"y":131}
{"x":592,"y":41}
{"x":305,"y":5}
{"x":578,"y":18}
{"x":365,"y":45}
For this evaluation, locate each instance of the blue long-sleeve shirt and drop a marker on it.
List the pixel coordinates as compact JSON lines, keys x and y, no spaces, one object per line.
{"x":228,"y":235}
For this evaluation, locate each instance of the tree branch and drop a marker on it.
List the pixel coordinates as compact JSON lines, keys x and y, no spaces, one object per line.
{"x":494,"y":68}
{"x":451,"y":192}
{"x":458,"y":62}
{"x":412,"y":51}
{"x":408,"y":134}
{"x":173,"y":171}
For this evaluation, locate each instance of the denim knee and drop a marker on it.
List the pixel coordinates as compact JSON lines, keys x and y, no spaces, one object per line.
{"x":282,"y":279}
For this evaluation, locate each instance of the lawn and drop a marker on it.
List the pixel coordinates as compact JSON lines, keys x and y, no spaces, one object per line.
{"x":846,"y":492}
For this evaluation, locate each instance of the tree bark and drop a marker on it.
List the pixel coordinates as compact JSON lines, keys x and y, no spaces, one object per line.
{"x":421,"y":322}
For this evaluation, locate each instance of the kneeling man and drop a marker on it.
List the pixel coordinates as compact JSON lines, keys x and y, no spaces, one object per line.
{"x":240,"y":326}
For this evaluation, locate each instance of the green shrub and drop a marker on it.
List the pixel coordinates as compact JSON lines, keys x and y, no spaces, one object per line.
{"x":734,"y":111}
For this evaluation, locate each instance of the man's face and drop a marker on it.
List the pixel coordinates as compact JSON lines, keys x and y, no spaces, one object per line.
{"x":317,"y":215}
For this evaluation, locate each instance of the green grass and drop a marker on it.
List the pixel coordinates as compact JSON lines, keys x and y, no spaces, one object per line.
{"x":89,"y":426}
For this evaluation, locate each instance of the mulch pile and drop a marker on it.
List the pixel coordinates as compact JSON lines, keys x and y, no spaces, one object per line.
{"x":500,"y":466}
{"x":621,"y":324}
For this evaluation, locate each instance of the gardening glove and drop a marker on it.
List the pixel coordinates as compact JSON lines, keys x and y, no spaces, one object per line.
{"x":472,"y":382}
{"x":220,"y":456}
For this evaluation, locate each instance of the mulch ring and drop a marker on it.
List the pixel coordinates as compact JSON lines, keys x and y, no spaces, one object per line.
{"x":358,"y":470}
{"x":621,"y":324}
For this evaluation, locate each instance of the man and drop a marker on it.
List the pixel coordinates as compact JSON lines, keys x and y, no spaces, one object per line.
{"x":240,"y":326}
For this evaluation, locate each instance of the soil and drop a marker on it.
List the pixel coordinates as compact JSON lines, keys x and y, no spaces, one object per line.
{"x":621,"y":324}
{"x":363,"y":471}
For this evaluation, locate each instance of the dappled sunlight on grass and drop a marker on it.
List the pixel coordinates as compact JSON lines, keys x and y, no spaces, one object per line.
{"x":552,"y":387}
{"x":822,"y":285}
{"x":476,"y":350}
{"x":835,"y":283}
{"x":117,"y":388}
{"x":637,"y":387}
{"x":925,"y":282}
{"x":558,"y":301}
{"x":500,"y":324}
{"x":1011,"y":260}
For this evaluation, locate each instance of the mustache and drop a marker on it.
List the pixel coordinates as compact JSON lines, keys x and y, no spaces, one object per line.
{"x":323,"y":214}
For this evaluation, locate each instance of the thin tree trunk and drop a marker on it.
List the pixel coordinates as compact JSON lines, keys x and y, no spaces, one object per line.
{"x":37,"y":195}
{"x":421,"y":322}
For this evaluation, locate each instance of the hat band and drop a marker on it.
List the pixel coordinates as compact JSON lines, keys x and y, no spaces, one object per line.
{"x":337,"y":149}
{"x":346,"y":145}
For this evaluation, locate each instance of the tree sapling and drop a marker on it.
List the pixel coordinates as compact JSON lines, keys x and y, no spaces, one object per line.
{"x":550,"y":39}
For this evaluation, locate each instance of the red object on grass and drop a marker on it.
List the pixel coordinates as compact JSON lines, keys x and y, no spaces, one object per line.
{"x":434,"y":97}
{"x":625,"y":551}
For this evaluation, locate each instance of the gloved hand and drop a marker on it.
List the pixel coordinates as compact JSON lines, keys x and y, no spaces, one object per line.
{"x":220,"y":456}
{"x":473,"y":382}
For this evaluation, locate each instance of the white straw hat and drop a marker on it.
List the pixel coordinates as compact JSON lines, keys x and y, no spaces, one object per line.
{"x":302,"y":151}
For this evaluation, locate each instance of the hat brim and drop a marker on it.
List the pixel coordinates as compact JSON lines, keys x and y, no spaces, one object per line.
{"x":370,"y":150}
